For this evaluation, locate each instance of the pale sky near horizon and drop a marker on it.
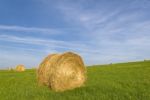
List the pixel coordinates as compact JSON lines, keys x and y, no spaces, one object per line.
{"x":101,"y":31}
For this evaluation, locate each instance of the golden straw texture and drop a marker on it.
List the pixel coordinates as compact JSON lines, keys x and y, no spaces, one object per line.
{"x":62,"y":72}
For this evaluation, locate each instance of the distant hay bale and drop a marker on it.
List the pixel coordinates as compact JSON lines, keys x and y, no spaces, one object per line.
{"x":20,"y":68}
{"x":62,"y":72}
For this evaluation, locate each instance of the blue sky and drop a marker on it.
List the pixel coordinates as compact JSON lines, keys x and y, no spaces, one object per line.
{"x":101,"y":31}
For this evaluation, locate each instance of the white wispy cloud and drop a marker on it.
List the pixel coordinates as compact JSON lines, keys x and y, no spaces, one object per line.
{"x":118,"y":34}
{"x":30,"y":29}
{"x":107,"y":25}
{"x":49,"y":43}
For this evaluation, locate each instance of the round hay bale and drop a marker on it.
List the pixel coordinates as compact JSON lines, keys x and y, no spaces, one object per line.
{"x":62,"y":72}
{"x":20,"y":68}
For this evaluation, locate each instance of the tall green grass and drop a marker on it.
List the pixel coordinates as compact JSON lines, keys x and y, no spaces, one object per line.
{"x":126,"y":81}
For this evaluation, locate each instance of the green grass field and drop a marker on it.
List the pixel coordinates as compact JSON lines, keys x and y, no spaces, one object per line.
{"x":124,"y":81}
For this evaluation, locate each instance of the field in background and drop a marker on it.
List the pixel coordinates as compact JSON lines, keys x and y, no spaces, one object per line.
{"x":126,"y":81}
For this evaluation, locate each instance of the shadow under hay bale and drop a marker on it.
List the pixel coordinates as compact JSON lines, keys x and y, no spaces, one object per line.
{"x":20,"y":68}
{"x":62,"y":72}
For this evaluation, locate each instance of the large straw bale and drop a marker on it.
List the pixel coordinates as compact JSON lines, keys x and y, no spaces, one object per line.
{"x":62,"y":72}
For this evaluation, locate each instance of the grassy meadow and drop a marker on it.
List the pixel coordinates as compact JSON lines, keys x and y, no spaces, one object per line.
{"x":124,"y":81}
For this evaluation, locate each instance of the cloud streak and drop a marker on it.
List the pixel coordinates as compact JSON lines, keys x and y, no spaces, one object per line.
{"x":75,"y":46}
{"x":29,"y":29}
